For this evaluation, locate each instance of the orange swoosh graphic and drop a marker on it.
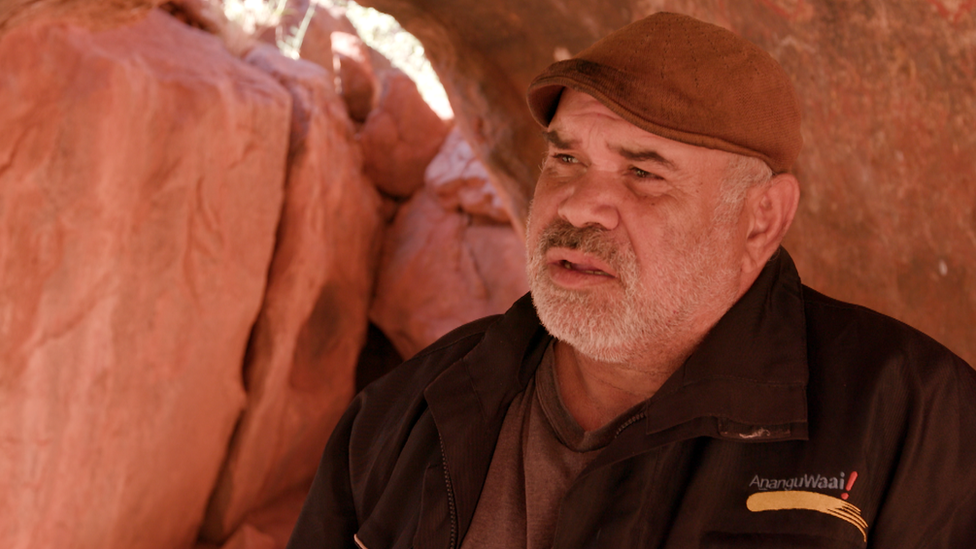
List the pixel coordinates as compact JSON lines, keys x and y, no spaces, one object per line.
{"x":812,"y":501}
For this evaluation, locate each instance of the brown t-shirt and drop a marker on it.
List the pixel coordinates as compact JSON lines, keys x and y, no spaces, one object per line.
{"x":540,"y":452}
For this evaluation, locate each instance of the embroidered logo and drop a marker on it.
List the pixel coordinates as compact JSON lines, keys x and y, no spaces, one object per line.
{"x":793,"y":493}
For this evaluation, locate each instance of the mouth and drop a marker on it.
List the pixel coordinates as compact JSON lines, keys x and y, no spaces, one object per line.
{"x":574,"y":269}
{"x":583,"y":268}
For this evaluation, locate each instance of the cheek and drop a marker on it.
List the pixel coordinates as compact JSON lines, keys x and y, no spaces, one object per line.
{"x":537,"y":220}
{"x":651,"y":224}
{"x":543,"y":207}
{"x":663,"y":237}
{"x":546,"y":188}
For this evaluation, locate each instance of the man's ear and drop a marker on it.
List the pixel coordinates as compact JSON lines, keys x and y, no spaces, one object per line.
{"x":771,"y":208}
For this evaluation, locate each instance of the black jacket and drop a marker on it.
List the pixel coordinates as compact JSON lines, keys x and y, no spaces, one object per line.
{"x":800,"y":421}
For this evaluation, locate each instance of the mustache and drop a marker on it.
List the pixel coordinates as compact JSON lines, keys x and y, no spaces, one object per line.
{"x":590,"y":239}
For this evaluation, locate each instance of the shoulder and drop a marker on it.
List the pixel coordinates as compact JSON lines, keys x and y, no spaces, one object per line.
{"x":837,"y":326}
{"x":904,"y":407}
{"x":515,"y":326}
{"x":866,"y":362}
{"x":401,"y":390}
{"x":421,"y":369}
{"x":399,"y":395}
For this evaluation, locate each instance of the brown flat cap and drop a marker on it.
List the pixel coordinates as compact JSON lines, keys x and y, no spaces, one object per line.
{"x":686,"y":80}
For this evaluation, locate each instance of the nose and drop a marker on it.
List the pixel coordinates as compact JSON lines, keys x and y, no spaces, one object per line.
{"x":592,"y":199}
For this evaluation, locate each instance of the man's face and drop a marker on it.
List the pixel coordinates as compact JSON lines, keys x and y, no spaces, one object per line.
{"x":632,"y":243}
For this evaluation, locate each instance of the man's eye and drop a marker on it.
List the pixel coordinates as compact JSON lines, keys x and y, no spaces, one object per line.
{"x":565,"y":158}
{"x":641,"y":174}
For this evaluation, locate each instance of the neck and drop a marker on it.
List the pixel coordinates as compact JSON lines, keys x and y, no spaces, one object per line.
{"x":596,"y":392}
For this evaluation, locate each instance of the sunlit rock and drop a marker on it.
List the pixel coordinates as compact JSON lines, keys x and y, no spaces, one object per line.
{"x":401,"y":136}
{"x":301,"y":364}
{"x":141,"y":183}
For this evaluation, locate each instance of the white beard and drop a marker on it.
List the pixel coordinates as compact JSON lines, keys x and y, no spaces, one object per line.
{"x":624,"y":323}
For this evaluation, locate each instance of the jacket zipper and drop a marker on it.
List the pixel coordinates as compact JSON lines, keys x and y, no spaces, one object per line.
{"x":450,"y":495}
{"x":634,"y":419}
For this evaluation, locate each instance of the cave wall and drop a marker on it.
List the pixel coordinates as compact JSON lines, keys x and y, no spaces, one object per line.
{"x":888,"y":170}
{"x":197,"y":233}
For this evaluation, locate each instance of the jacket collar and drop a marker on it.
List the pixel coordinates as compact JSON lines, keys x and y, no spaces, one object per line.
{"x":750,"y":371}
{"x":748,"y":374}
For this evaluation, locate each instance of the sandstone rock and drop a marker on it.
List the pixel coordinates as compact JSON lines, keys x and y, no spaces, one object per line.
{"x":140,"y":188}
{"x":92,"y":15}
{"x":270,"y":526}
{"x":888,"y":213}
{"x":249,"y":537}
{"x":461,"y":182}
{"x":440,"y":269}
{"x":380,"y":63}
{"x":209,"y":16}
{"x":331,"y":41}
{"x":354,"y":72}
{"x":300,"y":371}
{"x":400,"y":137}
{"x":200,"y":14}
{"x":315,"y":43}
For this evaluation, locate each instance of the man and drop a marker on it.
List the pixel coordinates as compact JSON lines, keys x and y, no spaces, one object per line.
{"x":686,"y":390}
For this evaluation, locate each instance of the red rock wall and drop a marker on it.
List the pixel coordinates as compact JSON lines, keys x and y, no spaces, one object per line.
{"x":301,"y":361}
{"x":888,"y":213}
{"x":92,"y":15}
{"x":190,"y":244}
{"x":134,"y":248}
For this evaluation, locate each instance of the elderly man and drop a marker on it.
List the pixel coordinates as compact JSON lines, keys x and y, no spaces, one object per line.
{"x":670,"y":382}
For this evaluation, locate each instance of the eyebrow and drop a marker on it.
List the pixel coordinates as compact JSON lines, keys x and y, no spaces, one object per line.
{"x":645,"y":156}
{"x":553,"y":137}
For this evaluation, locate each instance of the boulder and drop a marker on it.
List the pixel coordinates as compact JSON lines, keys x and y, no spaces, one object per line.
{"x":315,"y":42}
{"x":141,"y":183}
{"x":331,"y":41}
{"x":354,"y":74}
{"x":461,"y":182}
{"x":99,"y":15}
{"x":300,"y":370}
{"x":268,"y":527}
{"x":249,"y":537}
{"x":442,"y":267}
{"x":401,"y":136}
{"x":200,"y":14}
